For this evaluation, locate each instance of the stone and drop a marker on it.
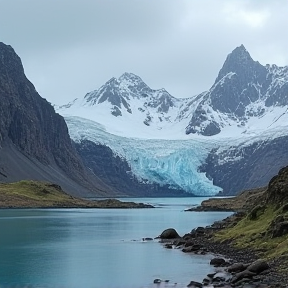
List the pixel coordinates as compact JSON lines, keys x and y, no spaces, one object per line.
{"x":195,"y":284}
{"x":157,"y":281}
{"x":280,"y":229}
{"x":169,"y":233}
{"x":258,"y":266}
{"x":244,"y":274}
{"x":147,"y":239}
{"x":217,"y":262}
{"x":237,"y":267}
{"x":221,"y":277}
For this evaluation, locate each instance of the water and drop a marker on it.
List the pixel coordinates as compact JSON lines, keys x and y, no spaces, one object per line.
{"x":99,"y":248}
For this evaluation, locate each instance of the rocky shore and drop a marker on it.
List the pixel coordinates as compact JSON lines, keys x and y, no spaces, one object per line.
{"x":234,"y":267}
{"x":251,"y":246}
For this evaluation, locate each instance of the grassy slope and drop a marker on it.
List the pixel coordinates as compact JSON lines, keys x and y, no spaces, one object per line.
{"x":31,"y":194}
{"x":254,"y":231}
{"x":242,"y":202}
{"x":265,"y":211}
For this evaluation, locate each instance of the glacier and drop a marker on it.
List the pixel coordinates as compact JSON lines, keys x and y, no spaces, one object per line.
{"x":170,"y":162}
{"x":166,"y":162}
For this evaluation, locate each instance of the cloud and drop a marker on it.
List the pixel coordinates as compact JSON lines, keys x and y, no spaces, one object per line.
{"x":70,"y":47}
{"x":240,"y":13}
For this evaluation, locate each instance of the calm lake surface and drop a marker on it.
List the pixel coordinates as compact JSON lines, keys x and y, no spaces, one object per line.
{"x":100,"y":248}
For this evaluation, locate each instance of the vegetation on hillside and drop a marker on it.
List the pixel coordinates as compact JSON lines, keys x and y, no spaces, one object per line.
{"x":264,"y":228}
{"x":36,"y":194}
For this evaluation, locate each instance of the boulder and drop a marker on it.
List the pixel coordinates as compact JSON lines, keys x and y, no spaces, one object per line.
{"x":280,"y":229}
{"x":169,"y":233}
{"x":258,"y":266}
{"x":241,"y":275}
{"x":237,"y":267}
{"x":221,"y":277}
{"x":168,"y":246}
{"x":195,"y":284}
{"x":217,"y":262}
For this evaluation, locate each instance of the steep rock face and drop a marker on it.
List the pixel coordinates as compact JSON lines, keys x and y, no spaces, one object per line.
{"x":277,"y":191}
{"x":245,"y":167}
{"x":116,"y":172}
{"x":29,"y":124}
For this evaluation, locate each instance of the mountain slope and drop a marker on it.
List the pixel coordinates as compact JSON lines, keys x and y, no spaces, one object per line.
{"x":34,"y":140}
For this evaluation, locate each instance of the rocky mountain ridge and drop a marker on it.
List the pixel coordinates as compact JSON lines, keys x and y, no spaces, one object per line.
{"x":244,"y":92}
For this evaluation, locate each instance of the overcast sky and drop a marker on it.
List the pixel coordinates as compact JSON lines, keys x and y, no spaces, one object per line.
{"x":70,"y":47}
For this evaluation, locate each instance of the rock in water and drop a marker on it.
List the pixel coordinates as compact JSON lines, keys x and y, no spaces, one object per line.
{"x":169,"y":233}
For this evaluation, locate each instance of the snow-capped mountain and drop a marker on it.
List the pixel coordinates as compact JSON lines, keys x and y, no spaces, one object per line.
{"x":195,"y":143}
{"x":245,"y":92}
{"x":245,"y":97}
{"x":126,"y":106}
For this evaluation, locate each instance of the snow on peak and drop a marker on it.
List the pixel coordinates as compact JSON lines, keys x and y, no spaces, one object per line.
{"x":130,"y":78}
{"x":243,"y":93}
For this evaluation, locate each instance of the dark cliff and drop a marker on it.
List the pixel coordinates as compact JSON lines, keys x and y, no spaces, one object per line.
{"x":255,"y":166}
{"x":277,"y":191}
{"x":34,"y":140}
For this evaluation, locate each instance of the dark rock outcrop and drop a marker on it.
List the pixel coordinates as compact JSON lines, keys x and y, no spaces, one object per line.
{"x":277,"y":191}
{"x":255,"y":166}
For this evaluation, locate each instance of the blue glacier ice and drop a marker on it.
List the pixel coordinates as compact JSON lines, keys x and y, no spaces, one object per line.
{"x":172,"y":162}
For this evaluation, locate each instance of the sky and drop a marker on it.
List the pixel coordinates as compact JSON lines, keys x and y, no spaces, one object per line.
{"x":71,"y":47}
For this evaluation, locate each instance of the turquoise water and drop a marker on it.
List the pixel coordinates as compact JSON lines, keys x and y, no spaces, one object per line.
{"x":99,"y":248}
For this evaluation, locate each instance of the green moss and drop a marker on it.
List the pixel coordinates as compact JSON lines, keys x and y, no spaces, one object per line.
{"x":256,"y":212}
{"x":253,"y":232}
{"x":35,"y":190}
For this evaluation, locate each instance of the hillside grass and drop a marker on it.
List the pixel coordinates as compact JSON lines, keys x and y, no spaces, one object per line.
{"x":37,"y":194}
{"x":253,"y":232}
{"x":35,"y":190}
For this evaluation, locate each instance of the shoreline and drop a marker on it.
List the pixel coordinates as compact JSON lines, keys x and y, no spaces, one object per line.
{"x":201,"y":241}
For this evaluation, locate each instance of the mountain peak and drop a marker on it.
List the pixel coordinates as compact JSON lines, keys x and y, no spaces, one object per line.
{"x":240,"y":62}
{"x":240,"y":53}
{"x":130,"y":79}
{"x":10,"y":62}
